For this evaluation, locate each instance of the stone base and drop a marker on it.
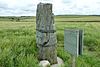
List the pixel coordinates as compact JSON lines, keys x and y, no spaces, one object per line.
{"x":59,"y":64}
{"x":45,"y":63}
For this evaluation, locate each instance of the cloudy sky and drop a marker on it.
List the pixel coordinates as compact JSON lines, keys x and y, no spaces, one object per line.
{"x":28,"y":7}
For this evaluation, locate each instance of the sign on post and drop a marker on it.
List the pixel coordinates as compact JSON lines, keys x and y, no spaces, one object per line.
{"x":73,"y":41}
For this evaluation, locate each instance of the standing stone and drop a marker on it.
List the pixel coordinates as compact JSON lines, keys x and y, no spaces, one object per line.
{"x":45,"y":33}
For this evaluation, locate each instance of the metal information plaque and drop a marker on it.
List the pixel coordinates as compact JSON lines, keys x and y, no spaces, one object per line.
{"x":73,"y":41}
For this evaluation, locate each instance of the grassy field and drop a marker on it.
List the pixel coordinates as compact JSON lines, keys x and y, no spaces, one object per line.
{"x":18,"y":41}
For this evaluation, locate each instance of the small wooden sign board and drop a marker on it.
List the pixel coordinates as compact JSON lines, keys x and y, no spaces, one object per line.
{"x":73,"y":41}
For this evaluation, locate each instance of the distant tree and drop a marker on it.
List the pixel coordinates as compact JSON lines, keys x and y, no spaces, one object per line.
{"x":17,"y":19}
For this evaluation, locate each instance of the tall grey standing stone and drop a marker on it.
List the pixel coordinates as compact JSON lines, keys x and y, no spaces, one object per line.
{"x":45,"y":33}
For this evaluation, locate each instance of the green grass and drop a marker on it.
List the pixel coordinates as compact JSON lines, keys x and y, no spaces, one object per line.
{"x":18,"y":43}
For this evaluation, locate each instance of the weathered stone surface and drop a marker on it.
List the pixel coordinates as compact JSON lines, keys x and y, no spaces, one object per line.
{"x":45,"y":33}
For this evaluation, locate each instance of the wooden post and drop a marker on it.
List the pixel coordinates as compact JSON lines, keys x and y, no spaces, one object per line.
{"x":45,"y":33}
{"x":73,"y":61}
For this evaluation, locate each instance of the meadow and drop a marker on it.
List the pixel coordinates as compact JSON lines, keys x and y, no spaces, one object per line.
{"x":18,"y":41}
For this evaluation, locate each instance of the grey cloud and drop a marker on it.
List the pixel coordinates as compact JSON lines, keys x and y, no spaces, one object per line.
{"x":66,"y":1}
{"x":3,"y":6}
{"x":25,"y":10}
{"x":28,"y":9}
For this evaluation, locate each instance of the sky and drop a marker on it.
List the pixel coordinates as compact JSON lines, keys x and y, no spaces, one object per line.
{"x":60,"y":7}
